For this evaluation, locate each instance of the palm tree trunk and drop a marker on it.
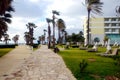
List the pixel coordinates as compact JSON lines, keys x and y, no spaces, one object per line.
{"x":88,"y":25}
{"x":59,"y":36}
{"x":49,"y":36}
{"x":53,"y":31}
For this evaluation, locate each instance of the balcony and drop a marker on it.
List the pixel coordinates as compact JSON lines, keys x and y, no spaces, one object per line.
{"x":111,"y":21}
{"x":112,"y":32}
{"x":111,"y":27}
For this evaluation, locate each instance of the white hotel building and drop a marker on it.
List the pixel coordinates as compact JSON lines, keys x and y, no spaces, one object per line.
{"x":101,"y":27}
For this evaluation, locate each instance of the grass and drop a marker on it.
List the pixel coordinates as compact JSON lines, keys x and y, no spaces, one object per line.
{"x":4,"y":51}
{"x":96,"y":70}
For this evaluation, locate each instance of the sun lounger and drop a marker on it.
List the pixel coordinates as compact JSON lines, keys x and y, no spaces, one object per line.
{"x":109,"y":53}
{"x":84,"y":48}
{"x":94,"y":49}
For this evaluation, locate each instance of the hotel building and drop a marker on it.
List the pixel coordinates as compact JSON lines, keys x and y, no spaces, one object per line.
{"x":101,"y":27}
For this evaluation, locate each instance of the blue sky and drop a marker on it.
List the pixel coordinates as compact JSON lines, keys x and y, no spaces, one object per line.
{"x":72,"y":12}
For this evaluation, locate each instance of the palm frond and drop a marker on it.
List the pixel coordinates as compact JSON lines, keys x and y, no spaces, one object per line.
{"x":7,"y":20}
{"x":48,"y":20}
{"x":8,"y":15}
{"x":61,"y":24}
{"x":55,"y":12}
{"x":10,"y":8}
{"x":95,"y":6}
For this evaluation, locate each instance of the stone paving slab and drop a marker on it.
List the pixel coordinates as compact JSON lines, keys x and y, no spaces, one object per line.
{"x":43,"y":64}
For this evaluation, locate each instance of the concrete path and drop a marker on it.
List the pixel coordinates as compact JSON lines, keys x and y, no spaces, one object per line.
{"x":13,"y":59}
{"x":43,"y":64}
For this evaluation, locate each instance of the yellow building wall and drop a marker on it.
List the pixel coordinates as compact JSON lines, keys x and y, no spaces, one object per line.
{"x":96,"y":20}
{"x":97,"y":25}
{"x":97,"y":31}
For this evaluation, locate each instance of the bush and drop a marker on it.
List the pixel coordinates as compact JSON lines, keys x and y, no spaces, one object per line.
{"x":35,"y":45}
{"x":56,"y":50}
{"x":8,"y":46}
{"x":117,"y":59}
{"x":83,"y":65}
{"x":67,"y":47}
{"x":75,"y":46}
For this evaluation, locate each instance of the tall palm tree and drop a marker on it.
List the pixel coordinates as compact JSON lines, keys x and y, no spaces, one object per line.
{"x":93,"y":6}
{"x":31,"y":27}
{"x":54,"y":12}
{"x":5,"y":9}
{"x":61,"y":26}
{"x":5,"y":5}
{"x":49,"y":31}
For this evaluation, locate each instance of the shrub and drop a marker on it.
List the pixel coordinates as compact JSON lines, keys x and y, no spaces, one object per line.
{"x":117,"y":60}
{"x":75,"y":46}
{"x":8,"y":46}
{"x":66,"y":46}
{"x":83,"y":65}
{"x":35,"y":45}
{"x":56,"y":50}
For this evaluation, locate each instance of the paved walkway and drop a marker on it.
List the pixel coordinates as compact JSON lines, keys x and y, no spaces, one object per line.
{"x":13,"y":59}
{"x":43,"y":64}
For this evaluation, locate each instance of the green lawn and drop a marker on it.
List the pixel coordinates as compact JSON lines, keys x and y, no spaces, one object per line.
{"x":4,"y":51}
{"x":98,"y":67}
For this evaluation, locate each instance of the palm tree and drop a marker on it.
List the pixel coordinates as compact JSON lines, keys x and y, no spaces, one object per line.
{"x":6,"y":38}
{"x":93,"y":6}
{"x":5,"y":5}
{"x":15,"y":39}
{"x":63,"y":38}
{"x":61,"y":26}
{"x":27,"y":38}
{"x":5,"y":9}
{"x":49,"y":31}
{"x":44,"y":33}
{"x":31,"y":27}
{"x":57,"y":13}
{"x":3,"y":27}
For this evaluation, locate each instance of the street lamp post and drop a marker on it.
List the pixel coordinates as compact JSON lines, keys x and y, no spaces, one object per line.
{"x":53,"y":17}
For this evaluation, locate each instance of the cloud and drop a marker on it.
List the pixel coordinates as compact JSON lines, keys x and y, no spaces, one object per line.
{"x":72,"y":12}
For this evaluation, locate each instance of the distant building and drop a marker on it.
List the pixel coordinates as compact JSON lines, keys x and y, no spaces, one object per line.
{"x":101,"y":27}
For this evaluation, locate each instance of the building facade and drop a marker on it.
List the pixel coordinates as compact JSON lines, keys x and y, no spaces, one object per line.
{"x":101,"y":27}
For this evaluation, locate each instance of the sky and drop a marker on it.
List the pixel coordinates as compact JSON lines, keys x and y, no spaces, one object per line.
{"x":73,"y":12}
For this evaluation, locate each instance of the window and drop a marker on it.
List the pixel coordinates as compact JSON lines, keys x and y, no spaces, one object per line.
{"x":113,"y":19}
{"x":113,"y":24}
{"x":106,"y":19}
{"x":119,"y":19}
{"x":113,"y":30}
{"x":106,"y":30}
{"x":106,"y":24}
